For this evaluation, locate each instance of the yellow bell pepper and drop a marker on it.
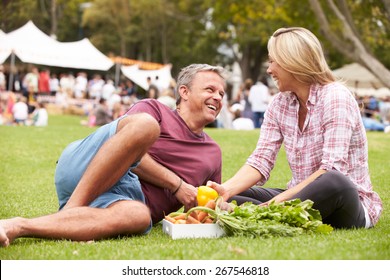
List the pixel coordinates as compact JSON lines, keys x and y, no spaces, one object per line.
{"x":205,"y":194}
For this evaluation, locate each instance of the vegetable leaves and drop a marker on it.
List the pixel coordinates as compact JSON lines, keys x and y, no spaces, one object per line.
{"x":288,"y":218}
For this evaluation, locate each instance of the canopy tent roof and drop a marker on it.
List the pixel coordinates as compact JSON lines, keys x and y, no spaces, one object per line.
{"x":32,"y":45}
{"x":378,"y":93}
{"x":357,"y":76}
{"x":139,"y":76}
{"x":143,"y":65}
{"x":5,"y":47}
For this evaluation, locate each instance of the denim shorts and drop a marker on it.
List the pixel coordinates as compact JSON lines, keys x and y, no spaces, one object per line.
{"x":75,"y":159}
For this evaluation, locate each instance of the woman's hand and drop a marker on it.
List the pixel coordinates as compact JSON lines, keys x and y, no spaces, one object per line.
{"x":276,"y":199}
{"x":219,"y":188}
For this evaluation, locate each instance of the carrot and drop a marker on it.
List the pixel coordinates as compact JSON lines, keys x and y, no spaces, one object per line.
{"x":180,"y":222}
{"x":194,"y":215}
{"x":211,"y":204}
{"x":192,"y":220}
{"x":172,"y":220}
{"x":180,"y":217}
{"x":202,"y":215}
{"x":208,"y":221}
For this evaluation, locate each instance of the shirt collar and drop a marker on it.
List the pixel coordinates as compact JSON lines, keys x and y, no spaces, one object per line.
{"x":313,"y":95}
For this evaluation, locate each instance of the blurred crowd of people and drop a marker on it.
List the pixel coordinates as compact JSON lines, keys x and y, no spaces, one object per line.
{"x":95,"y":97}
{"x":16,"y":110}
{"x":246,"y":110}
{"x":101,"y":101}
{"x":375,"y":113}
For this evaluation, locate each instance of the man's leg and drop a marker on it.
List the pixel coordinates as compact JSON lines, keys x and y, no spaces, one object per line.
{"x":256,"y":119}
{"x":80,"y":223}
{"x":135,"y":134}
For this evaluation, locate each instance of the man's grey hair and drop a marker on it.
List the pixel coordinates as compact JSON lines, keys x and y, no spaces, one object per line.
{"x":187,"y":74}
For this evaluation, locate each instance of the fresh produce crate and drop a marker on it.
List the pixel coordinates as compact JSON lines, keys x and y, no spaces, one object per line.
{"x":177,"y":231}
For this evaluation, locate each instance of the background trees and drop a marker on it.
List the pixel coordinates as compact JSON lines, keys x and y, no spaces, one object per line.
{"x":359,"y":31}
{"x":212,"y":31}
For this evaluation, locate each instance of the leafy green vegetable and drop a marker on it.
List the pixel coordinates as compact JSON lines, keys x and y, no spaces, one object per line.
{"x":288,"y":218}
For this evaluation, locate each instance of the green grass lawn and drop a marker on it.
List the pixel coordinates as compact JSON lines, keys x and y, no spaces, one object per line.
{"x":28,"y":156}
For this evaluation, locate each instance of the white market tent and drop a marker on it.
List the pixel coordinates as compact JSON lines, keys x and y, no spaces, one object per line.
{"x":357,"y":76}
{"x":5,"y":47}
{"x":139,"y":76}
{"x":82,"y":54}
{"x":361,"y":81}
{"x":31,"y":45}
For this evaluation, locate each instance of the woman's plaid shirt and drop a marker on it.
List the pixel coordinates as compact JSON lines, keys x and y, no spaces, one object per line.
{"x":333,"y":137}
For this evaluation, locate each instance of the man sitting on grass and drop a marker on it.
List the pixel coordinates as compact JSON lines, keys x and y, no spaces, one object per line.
{"x":123,"y":177}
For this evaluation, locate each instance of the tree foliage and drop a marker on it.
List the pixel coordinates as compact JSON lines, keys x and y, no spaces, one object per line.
{"x":181,"y":32}
{"x":359,"y":36}
{"x":245,"y":27}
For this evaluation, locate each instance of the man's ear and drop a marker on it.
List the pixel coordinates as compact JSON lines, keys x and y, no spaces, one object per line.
{"x":183,"y":91}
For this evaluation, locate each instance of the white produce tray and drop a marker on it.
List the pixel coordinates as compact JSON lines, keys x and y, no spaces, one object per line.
{"x":177,"y":231}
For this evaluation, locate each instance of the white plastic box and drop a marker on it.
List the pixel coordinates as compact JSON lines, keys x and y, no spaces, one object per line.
{"x":177,"y":231}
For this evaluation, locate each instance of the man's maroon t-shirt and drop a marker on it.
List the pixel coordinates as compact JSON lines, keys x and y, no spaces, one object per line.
{"x":194,"y":158}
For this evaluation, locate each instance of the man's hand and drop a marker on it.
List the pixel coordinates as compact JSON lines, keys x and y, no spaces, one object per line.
{"x":187,"y":195}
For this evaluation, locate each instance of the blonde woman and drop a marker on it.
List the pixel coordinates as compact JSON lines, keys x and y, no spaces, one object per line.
{"x":319,"y":122}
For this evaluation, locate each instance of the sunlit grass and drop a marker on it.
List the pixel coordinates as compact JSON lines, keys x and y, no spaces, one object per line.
{"x":28,"y":156}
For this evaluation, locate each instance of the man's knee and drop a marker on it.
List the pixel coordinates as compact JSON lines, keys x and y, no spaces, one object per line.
{"x":141,"y":125}
{"x":143,"y":215}
{"x":135,"y":216}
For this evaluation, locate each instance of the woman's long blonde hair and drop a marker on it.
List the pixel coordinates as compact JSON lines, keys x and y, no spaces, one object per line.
{"x":298,"y":51}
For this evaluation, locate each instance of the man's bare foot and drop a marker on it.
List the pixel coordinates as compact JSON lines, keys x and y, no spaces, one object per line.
{"x":4,"y":241}
{"x":7,"y":231}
